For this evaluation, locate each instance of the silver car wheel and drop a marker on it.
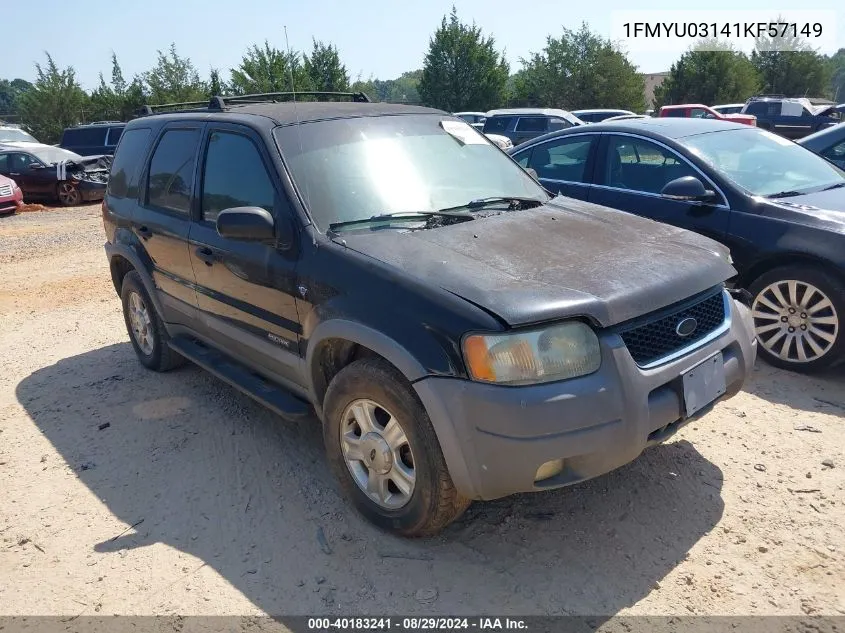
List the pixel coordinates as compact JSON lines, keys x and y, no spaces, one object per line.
{"x":139,"y":318}
{"x":377,"y":454}
{"x":795,"y":321}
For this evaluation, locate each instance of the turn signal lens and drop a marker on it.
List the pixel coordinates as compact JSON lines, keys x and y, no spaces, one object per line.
{"x":558,"y":352}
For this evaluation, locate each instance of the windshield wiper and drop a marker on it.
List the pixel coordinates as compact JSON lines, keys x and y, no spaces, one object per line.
{"x":514,"y":202}
{"x":834,"y":186}
{"x":785,"y":194}
{"x":401,"y":215}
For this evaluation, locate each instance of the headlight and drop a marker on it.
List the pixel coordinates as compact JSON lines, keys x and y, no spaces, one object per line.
{"x":557,"y":352}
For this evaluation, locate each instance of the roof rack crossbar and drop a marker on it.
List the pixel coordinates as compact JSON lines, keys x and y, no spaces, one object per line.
{"x":359,"y":97}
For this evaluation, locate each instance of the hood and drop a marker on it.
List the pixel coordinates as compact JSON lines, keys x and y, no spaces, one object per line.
{"x":813,"y":209}
{"x":827,"y":110}
{"x":566,"y":258}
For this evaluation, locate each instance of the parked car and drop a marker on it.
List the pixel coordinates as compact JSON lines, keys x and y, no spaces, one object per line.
{"x":475,"y":119}
{"x":729,"y":108}
{"x":829,"y":142}
{"x":792,"y":118}
{"x":11,"y":197}
{"x":523,"y":124}
{"x":600,"y":114}
{"x":47,"y":172}
{"x":699,"y":111}
{"x":502,"y":142}
{"x":14,"y":133}
{"x":93,"y":138}
{"x":460,"y":334}
{"x":779,"y":207}
{"x":626,"y":117}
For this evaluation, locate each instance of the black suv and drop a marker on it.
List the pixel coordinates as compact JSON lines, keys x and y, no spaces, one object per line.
{"x":792,"y":118}
{"x":459,"y":333}
{"x":93,"y":138}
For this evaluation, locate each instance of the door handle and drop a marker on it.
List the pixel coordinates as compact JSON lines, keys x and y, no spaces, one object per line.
{"x":205,"y":254}
{"x":144,"y":232}
{"x":14,"y":173}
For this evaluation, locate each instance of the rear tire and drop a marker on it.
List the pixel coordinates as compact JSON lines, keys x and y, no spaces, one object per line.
{"x":799,"y":314}
{"x":377,"y":432}
{"x":146,"y":330}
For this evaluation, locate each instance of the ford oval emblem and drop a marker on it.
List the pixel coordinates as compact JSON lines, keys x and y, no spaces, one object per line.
{"x":686,"y":326}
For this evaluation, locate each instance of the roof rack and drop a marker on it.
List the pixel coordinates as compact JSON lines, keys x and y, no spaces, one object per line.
{"x":219,"y":102}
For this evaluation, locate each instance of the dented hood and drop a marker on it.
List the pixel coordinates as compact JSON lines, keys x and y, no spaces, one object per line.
{"x":567,"y":258}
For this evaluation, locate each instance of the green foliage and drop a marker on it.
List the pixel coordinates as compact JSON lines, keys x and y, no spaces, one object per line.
{"x":798,"y":72}
{"x":173,"y":79}
{"x":462,"y":69}
{"x":710,"y":77}
{"x":10,"y":93}
{"x":581,"y":69}
{"x":56,"y":101}
{"x":270,"y":70}
{"x":325,"y":70}
{"x":215,"y":86}
{"x":836,"y":68}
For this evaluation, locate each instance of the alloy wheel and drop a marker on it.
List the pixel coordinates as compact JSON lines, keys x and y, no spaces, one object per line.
{"x":139,"y":318}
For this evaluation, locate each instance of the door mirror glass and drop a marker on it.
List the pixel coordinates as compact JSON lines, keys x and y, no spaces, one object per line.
{"x":687,"y":188}
{"x":247,"y":224}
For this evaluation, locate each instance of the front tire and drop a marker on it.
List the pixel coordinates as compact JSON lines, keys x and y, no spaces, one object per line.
{"x":383,"y":450}
{"x":798,"y":318}
{"x":146,"y":330}
{"x":68,"y":194}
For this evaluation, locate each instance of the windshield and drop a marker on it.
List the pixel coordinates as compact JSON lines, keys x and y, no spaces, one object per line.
{"x":763,"y":163}
{"x":356,"y":168}
{"x":51,"y":155}
{"x":15,"y":134}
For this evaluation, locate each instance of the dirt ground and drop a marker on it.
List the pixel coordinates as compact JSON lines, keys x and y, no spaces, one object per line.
{"x":128,"y":492}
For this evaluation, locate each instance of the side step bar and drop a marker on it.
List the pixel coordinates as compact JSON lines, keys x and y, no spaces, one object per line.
{"x":273,"y":396}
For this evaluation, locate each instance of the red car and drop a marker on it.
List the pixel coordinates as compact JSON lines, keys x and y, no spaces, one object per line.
{"x":11,"y":196}
{"x":699,"y":111}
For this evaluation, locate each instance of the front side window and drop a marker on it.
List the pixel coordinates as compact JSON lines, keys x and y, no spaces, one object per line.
{"x":562,"y":159}
{"x":234,"y":176}
{"x":21,"y":162}
{"x":497,"y":124}
{"x":763,"y":163}
{"x":640,"y":165}
{"x":171,"y":176}
{"x":355,"y":168}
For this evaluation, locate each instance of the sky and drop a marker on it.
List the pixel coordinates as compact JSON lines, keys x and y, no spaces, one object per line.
{"x":376,"y":38}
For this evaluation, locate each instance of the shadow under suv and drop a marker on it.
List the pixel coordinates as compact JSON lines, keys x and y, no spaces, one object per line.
{"x":459,"y":333}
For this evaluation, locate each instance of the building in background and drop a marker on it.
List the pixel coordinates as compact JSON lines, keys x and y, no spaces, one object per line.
{"x":652,"y":80}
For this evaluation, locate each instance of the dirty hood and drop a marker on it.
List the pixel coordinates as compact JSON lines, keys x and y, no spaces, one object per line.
{"x":566,"y":258}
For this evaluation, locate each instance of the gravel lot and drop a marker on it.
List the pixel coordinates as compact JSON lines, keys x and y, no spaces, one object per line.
{"x":195,"y":500}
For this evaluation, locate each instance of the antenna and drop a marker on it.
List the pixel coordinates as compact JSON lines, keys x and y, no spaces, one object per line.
{"x":296,"y":115}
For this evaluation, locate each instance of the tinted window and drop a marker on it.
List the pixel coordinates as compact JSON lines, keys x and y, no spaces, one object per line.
{"x":84,"y":136}
{"x":19,"y":162}
{"x":123,"y":181}
{"x":763,"y":108}
{"x":532,"y":124}
{"x":171,"y":177}
{"x":588,"y":118}
{"x":4,"y":163}
{"x":235,"y":176}
{"x":675,"y":112}
{"x":558,"y":124}
{"x":640,"y":165}
{"x":698,"y":113}
{"x":836,"y":154}
{"x":563,"y":159}
{"x":497,"y":124}
{"x":114,"y":135}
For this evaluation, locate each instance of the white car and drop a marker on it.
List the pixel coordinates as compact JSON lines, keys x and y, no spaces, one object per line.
{"x":729,"y":108}
{"x":598,"y":115}
{"x":503,"y":142}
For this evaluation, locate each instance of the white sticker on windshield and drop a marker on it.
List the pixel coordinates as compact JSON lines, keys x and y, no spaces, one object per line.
{"x":463,"y":132}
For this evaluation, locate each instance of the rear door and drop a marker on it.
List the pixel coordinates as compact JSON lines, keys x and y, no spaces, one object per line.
{"x":162,"y":220}
{"x":564,"y":165}
{"x":631,"y":173}
{"x":246,"y":290}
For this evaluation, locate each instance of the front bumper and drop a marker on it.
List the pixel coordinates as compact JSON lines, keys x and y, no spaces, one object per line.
{"x":494,"y":438}
{"x":91,"y":190}
{"x":10,"y":204}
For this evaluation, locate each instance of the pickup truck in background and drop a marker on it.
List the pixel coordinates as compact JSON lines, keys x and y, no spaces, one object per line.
{"x":792,"y":117}
{"x":700,"y":111}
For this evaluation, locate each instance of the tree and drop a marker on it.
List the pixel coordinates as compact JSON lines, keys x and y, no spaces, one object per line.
{"x":462,"y":69}
{"x":56,"y":101}
{"x":117,"y":100}
{"x":215,"y":86}
{"x":836,"y":68}
{"x":581,"y":69}
{"x":325,"y":70}
{"x":790,"y":66}
{"x":173,"y":79}
{"x":269,"y":70}
{"x":10,"y":93}
{"x":708,"y":76}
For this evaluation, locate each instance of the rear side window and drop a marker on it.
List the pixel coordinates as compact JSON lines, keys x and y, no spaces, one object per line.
{"x":675,"y":112}
{"x":85,"y":136}
{"x":234,"y":176}
{"x":123,"y":181}
{"x":763,"y":108}
{"x":497,"y":124}
{"x":114,"y":135}
{"x":532,"y":124}
{"x":171,"y":178}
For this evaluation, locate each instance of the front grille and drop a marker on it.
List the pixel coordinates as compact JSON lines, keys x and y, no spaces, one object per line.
{"x":5,"y":190}
{"x":658,"y":338}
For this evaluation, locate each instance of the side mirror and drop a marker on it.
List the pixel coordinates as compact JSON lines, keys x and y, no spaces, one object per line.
{"x":687,"y":189}
{"x":35,"y":166}
{"x":248,"y":224}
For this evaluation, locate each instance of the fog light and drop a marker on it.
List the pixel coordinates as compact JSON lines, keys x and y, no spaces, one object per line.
{"x":549,"y":469}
